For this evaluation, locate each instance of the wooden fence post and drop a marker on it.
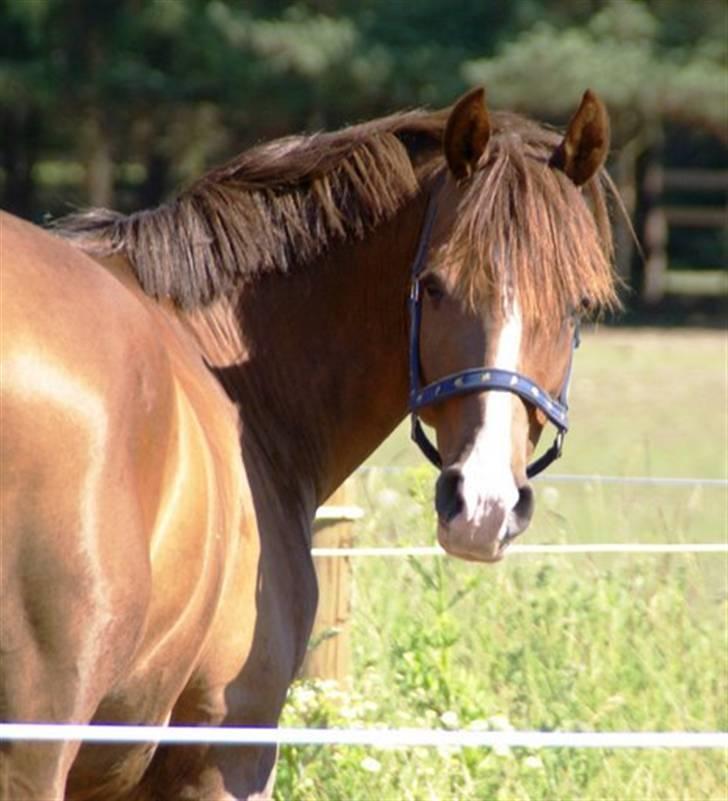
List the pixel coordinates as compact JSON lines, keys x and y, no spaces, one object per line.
{"x":329,"y":654}
{"x":654,"y":235}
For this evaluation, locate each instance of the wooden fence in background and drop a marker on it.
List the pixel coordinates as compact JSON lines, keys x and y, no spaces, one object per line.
{"x":661,"y":217}
{"x":329,"y":650}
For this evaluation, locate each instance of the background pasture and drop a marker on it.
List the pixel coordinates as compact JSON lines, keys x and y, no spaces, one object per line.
{"x":610,"y":643}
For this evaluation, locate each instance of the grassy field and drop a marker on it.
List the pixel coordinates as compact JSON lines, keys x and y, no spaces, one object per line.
{"x":613,"y":643}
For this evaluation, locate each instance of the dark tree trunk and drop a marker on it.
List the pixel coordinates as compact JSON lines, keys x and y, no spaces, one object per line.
{"x":99,"y":163}
{"x":154,"y":188}
{"x":20,"y":146}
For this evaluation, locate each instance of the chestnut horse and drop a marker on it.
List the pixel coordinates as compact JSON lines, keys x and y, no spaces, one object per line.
{"x":182,"y":387}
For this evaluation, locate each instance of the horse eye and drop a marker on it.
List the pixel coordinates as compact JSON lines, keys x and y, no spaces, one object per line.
{"x":433,"y":287}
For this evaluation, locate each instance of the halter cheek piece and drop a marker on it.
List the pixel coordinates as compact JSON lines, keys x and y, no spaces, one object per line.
{"x":477,"y":379}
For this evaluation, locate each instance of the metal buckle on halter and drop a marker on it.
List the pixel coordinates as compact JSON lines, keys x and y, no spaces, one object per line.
{"x":559,"y":441}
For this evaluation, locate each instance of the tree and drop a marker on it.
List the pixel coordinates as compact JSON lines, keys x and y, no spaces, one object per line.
{"x":620,"y":53}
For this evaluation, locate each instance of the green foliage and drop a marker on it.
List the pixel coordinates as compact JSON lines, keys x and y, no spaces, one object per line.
{"x":618,"y":53}
{"x":173,"y":86}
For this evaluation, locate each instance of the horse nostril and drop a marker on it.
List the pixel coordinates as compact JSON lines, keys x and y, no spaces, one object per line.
{"x":448,"y":494}
{"x":523,"y":510}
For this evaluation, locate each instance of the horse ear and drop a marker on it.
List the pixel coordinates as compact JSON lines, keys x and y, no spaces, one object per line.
{"x":585,"y":145}
{"x":466,"y":133}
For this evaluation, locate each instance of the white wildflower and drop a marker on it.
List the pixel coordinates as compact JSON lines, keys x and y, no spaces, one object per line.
{"x":303,"y":696}
{"x":371,"y":765}
{"x":499,"y":723}
{"x":388,"y":498}
{"x":450,"y":719}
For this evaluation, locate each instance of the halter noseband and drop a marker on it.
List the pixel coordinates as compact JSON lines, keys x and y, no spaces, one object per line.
{"x":476,"y":379}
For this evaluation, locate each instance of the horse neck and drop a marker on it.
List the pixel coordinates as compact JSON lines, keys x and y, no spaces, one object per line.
{"x":323,"y":379}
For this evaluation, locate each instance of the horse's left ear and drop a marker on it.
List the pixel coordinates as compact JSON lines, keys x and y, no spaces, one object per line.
{"x":585,"y":145}
{"x":466,"y":133}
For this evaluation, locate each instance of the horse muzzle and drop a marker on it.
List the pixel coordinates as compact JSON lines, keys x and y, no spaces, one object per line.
{"x":479,"y":525}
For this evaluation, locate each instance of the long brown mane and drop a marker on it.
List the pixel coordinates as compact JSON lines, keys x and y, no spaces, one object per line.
{"x":280,"y":205}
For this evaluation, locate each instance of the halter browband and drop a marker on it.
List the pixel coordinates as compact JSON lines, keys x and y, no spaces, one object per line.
{"x":476,"y":379}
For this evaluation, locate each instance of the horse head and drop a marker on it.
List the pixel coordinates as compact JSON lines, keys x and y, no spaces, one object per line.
{"x":508,"y":254}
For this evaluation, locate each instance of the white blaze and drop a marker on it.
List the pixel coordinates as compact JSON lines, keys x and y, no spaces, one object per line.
{"x":487,"y":475}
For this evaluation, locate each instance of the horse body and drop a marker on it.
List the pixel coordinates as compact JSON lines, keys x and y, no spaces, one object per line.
{"x":219,"y":590}
{"x":164,"y":450}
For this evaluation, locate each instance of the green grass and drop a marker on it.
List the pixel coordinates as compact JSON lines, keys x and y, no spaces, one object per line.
{"x":615,"y":643}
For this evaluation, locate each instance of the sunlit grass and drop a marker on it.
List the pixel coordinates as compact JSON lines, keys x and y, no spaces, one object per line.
{"x":535,"y":644}
{"x":608,"y":643}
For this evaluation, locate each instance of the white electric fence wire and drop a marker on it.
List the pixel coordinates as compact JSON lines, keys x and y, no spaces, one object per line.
{"x":611,"y":547}
{"x":374,"y":737}
{"x":664,"y":481}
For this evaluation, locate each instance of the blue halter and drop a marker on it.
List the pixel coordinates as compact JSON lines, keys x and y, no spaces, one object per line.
{"x":476,"y":379}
